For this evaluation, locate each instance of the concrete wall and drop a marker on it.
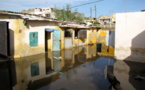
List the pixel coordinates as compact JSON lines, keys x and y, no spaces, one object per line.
{"x":129,"y":36}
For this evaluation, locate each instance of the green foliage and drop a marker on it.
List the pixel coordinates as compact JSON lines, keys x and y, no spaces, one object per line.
{"x":66,"y":14}
{"x":96,"y":22}
{"x":87,"y":18}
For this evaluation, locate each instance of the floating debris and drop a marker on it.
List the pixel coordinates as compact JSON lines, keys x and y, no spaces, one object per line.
{"x":140,"y":78}
{"x":61,"y":73}
{"x":57,"y":58}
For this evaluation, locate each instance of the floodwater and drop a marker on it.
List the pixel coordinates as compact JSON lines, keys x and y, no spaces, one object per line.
{"x":81,"y":68}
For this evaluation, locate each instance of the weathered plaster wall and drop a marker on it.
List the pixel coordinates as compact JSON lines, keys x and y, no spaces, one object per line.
{"x":16,"y":29}
{"x":101,"y":36}
{"x":129,"y":36}
{"x":77,"y":41}
{"x":106,"y":37}
{"x":37,"y":26}
{"x":19,"y":35}
{"x":91,"y":36}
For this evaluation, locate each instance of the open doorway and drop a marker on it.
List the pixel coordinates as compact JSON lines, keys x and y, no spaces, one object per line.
{"x":68,"y":38}
{"x":47,"y":40}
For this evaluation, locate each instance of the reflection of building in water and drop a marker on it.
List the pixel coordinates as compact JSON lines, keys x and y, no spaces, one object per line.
{"x":33,"y":71}
{"x":69,"y":58}
{"x":102,"y":49}
{"x":56,"y":59}
{"x":29,"y":69}
{"x":7,"y":75}
{"x":81,"y":57}
{"x":91,"y":51}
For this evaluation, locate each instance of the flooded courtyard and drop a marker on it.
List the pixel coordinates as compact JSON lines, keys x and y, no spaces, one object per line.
{"x":80,"y":68}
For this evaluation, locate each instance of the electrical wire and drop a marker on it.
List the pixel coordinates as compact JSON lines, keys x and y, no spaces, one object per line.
{"x":86,"y":4}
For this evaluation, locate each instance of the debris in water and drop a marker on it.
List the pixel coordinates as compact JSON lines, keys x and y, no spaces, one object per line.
{"x":61,"y":73}
{"x":138,"y":77}
{"x":57,"y":58}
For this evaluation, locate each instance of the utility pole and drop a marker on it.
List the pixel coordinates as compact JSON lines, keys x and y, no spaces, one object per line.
{"x":110,"y":18}
{"x":95,"y":12}
{"x":91,"y":14}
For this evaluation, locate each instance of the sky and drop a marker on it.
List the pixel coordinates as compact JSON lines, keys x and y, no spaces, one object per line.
{"x":104,"y":7}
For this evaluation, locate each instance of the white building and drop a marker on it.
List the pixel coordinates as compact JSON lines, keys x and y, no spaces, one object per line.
{"x":47,"y":12}
{"x":130,"y":36}
{"x":105,"y":19}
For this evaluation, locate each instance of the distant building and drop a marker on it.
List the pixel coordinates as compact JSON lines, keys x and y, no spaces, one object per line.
{"x":105,"y":19}
{"x":47,"y":12}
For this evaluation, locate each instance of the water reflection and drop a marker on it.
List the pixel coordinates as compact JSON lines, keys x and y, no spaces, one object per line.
{"x":72,"y":69}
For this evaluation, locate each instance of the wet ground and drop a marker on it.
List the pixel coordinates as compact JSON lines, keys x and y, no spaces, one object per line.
{"x":81,"y":68}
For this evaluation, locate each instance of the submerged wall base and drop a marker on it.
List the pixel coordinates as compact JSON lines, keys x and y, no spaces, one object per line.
{"x":130,"y":54}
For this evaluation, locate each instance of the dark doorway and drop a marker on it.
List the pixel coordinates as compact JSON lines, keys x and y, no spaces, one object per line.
{"x":47,"y":40}
{"x":4,"y":39}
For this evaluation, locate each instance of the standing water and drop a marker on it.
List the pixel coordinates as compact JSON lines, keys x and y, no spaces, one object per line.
{"x":81,"y":68}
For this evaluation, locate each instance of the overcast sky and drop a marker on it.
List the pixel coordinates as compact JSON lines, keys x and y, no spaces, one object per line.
{"x":105,"y":7}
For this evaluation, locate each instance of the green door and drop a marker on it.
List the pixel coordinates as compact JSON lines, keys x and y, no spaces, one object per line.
{"x":56,"y":40}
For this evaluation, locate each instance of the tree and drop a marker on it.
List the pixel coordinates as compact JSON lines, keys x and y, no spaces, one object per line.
{"x":66,"y":14}
{"x":96,"y":22}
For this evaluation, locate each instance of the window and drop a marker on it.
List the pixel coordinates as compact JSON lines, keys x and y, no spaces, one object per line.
{"x":68,"y":33}
{"x":33,"y":39}
{"x":76,"y":33}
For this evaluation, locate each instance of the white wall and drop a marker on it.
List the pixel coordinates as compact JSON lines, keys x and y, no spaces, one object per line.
{"x":129,"y":33}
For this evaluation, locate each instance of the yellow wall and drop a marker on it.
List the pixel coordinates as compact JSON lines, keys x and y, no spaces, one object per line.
{"x":92,"y":36}
{"x":17,"y":29}
{"x":19,"y":36}
{"x":107,"y":50}
{"x":101,"y":36}
{"x":62,"y":37}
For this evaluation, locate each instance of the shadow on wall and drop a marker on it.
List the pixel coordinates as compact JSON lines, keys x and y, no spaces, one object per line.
{"x":11,"y":43}
{"x":137,"y":69}
{"x":138,"y":48}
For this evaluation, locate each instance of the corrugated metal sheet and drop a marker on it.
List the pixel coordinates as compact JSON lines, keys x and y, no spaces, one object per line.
{"x":4,"y":38}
